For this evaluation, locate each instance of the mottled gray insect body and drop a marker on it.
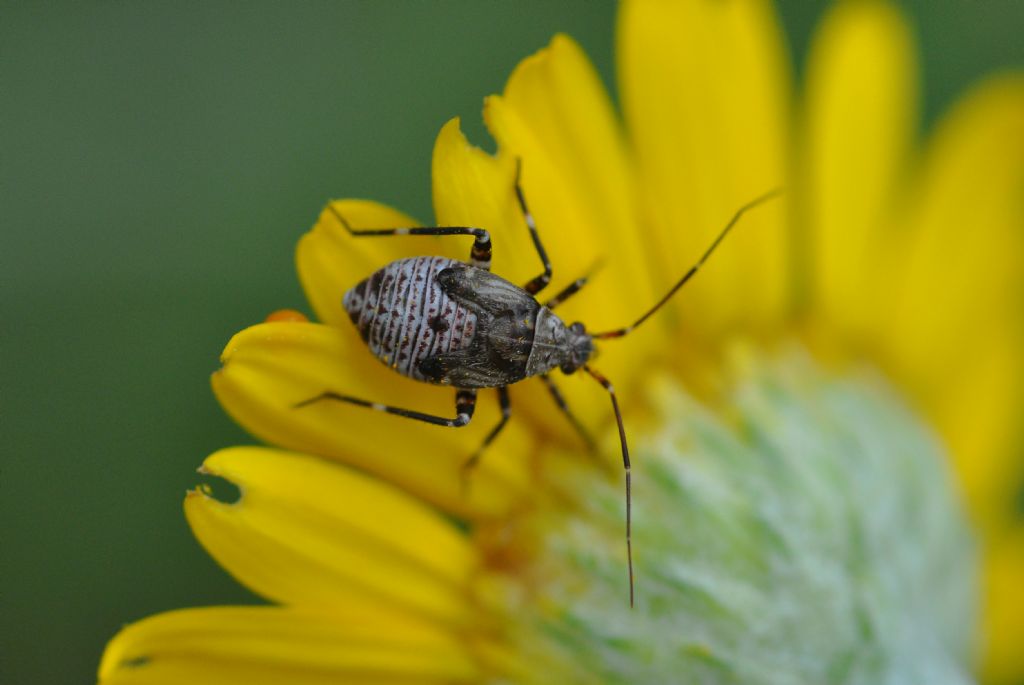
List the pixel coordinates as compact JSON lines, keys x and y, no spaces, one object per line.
{"x":447,"y":322}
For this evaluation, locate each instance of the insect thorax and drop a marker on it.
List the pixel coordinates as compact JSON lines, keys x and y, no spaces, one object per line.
{"x":551,"y":344}
{"x":556,"y":345}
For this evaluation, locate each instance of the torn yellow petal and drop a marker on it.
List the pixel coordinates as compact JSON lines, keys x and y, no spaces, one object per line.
{"x":282,"y":646}
{"x":309,"y":533}
{"x":954,"y":330}
{"x":330,"y":260}
{"x":705,"y":90}
{"x":270,"y":367}
{"x":474,"y":188}
{"x":556,"y":117}
{"x":858,"y":123}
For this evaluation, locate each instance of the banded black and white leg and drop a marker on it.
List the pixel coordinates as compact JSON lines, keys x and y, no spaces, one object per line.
{"x":567,"y":292}
{"x":506,"y":413}
{"x":540,"y":282}
{"x":559,"y":399}
{"x":479,"y":254}
{"x":465,"y":405}
{"x":606,"y":384}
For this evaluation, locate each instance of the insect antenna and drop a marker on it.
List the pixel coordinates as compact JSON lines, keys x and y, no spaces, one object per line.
{"x":606,"y":384}
{"x":619,"y":332}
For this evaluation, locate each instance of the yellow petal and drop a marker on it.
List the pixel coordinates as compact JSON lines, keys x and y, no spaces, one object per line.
{"x":310,"y":533}
{"x":270,"y":367}
{"x":954,"y":330}
{"x":705,"y":89}
{"x":278,"y":646}
{"x":330,"y":260}
{"x":860,"y":111}
{"x":1004,"y":610}
{"x":556,"y":117}
{"x":977,"y":402}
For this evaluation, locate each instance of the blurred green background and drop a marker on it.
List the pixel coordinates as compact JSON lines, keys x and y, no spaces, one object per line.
{"x":159,"y":163}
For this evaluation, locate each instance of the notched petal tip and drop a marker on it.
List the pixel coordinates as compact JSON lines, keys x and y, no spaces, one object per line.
{"x":197,"y":491}
{"x":561,"y":46}
{"x":451,"y":139}
{"x":528,"y":62}
{"x":214,"y":492}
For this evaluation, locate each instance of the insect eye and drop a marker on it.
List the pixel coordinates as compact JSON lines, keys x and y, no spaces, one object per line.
{"x":578,"y":328}
{"x":569,"y":367}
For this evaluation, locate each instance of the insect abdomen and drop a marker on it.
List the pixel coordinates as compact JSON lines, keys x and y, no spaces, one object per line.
{"x":404,"y":315}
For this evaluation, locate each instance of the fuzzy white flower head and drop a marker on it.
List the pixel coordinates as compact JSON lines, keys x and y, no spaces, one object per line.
{"x":811,"y":538}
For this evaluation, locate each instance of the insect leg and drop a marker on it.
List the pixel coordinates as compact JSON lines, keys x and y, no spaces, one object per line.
{"x":506,"y":412}
{"x":566,"y":292}
{"x":573,"y":288}
{"x":540,"y":282}
{"x":606,"y":384}
{"x":479,"y":255}
{"x":619,"y":332}
{"x":465,"y":403}
{"x":556,"y":394}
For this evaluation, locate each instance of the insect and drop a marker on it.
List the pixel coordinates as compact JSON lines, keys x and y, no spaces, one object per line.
{"x":453,"y":323}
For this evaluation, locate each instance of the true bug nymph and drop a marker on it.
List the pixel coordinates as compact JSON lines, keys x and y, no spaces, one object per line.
{"x":442,"y":321}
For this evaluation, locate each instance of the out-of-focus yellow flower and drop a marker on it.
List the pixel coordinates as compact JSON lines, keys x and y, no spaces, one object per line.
{"x":909,"y":261}
{"x":908,"y":256}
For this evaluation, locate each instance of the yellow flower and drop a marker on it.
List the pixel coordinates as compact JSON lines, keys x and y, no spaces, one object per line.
{"x":878,"y":254}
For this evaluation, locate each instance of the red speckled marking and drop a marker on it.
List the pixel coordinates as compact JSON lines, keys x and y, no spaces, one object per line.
{"x":404,"y":316}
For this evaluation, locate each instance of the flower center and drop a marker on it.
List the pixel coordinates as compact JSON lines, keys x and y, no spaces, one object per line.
{"x":811,"y":538}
